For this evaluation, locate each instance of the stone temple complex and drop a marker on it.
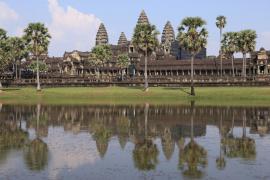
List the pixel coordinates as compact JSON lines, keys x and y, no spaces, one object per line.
{"x":168,"y":63}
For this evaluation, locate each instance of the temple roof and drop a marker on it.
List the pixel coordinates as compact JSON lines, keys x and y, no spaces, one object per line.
{"x":168,"y":33}
{"x":143,"y":19}
{"x":122,"y":39}
{"x":171,"y":64}
{"x":102,"y":36}
{"x":80,"y":53}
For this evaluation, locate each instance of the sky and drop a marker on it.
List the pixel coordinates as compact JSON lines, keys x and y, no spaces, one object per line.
{"x":73,"y":23}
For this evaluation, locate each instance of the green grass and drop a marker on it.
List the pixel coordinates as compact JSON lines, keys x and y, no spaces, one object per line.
{"x":216,"y":96}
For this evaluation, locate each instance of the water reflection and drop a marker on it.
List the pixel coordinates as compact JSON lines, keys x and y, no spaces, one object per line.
{"x":154,"y":131}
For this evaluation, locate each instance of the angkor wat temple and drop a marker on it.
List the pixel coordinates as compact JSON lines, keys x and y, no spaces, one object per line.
{"x":169,"y":63}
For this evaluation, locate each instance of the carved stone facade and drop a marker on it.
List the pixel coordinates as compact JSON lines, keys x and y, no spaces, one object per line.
{"x":102,"y":36}
{"x":170,"y":59}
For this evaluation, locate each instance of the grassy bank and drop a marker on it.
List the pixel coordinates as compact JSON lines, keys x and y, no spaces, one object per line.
{"x":217,"y":96}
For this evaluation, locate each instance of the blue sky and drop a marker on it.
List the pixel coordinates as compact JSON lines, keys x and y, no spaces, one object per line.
{"x":73,"y":23}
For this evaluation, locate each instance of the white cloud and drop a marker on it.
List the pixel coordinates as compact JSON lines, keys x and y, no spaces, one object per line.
{"x":7,"y":14}
{"x":71,"y":29}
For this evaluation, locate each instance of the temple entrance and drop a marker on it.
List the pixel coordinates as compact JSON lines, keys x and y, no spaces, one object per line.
{"x":261,"y":69}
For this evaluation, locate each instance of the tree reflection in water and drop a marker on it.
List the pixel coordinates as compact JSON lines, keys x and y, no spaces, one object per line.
{"x":141,"y":125}
{"x":11,"y":137}
{"x":192,"y":155}
{"x":243,"y":147}
{"x":36,"y":152}
{"x":145,"y":153}
{"x":36,"y":155}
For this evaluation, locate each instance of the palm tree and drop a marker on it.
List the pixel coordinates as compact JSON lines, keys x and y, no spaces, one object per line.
{"x":37,"y":38}
{"x":229,"y":46}
{"x":221,"y":23}
{"x":122,"y":62}
{"x":246,"y":44}
{"x":145,"y":41}
{"x":99,"y":56}
{"x":193,"y":38}
{"x":17,"y":52}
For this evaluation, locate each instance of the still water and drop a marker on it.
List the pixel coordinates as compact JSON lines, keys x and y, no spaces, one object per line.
{"x":134,"y":142}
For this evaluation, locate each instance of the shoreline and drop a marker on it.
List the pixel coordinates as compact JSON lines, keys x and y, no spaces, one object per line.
{"x":214,"y":96}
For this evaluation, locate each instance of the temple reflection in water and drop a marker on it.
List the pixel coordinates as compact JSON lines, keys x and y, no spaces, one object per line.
{"x":154,"y":131}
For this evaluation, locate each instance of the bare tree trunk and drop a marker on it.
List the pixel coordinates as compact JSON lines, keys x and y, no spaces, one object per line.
{"x":192,"y":93}
{"x":1,"y":86}
{"x":20,"y":70}
{"x":244,"y":66}
{"x":97,"y":72}
{"x":122,"y":74}
{"x":220,"y":54}
{"x":146,"y":88}
{"x":38,"y":82}
{"x":16,"y":69}
{"x":233,"y":66}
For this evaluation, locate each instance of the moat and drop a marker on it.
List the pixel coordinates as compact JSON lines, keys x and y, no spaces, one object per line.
{"x":134,"y":142}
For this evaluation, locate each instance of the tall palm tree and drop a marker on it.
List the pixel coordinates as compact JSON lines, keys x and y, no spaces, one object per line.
{"x":246,"y":44}
{"x":221,"y":23}
{"x":193,"y":38}
{"x":37,"y":38}
{"x":18,"y":51}
{"x":229,"y":46}
{"x":99,"y":56}
{"x":122,"y":62}
{"x":145,"y":41}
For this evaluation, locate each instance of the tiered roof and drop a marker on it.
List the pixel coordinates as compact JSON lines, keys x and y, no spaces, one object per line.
{"x":102,"y":36}
{"x":143,"y":19}
{"x":168,"y":33}
{"x":122,"y":39}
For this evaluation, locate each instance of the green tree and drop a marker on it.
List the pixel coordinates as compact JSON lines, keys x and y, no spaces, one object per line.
{"x":4,"y":49}
{"x":193,"y":38}
{"x":41,"y":65}
{"x":122,"y":63}
{"x":18,"y":51}
{"x":221,"y":23}
{"x":99,"y":56}
{"x":246,"y":44}
{"x":145,"y":41}
{"x":229,"y":46}
{"x":37,"y":38}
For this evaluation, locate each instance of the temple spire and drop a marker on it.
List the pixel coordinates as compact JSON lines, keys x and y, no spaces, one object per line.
{"x":143,"y":19}
{"x":102,"y":36}
{"x":122,"y":39}
{"x":168,"y":35}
